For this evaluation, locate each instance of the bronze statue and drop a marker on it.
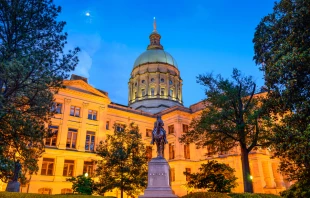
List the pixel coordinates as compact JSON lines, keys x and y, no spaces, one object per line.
{"x":159,"y":136}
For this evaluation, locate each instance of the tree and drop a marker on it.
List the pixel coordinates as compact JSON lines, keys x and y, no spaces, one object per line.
{"x":282,"y":49}
{"x":32,"y":68}
{"x":82,"y":184}
{"x":234,"y":116}
{"x":124,"y":162}
{"x":213,"y":176}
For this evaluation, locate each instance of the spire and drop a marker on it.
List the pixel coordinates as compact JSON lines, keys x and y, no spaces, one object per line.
{"x":154,"y":25}
{"x":154,"y":38}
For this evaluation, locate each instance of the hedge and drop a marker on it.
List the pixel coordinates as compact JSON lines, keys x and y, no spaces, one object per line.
{"x":252,"y":195}
{"x":206,"y":195}
{"x":32,"y":195}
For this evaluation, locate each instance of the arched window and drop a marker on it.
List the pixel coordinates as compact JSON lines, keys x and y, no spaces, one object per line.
{"x":66,"y":191}
{"x":46,"y":191}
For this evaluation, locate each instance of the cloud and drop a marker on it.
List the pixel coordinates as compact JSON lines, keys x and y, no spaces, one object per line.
{"x":89,"y":45}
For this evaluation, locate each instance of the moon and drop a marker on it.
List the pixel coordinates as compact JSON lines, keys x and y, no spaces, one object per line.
{"x":87,"y":14}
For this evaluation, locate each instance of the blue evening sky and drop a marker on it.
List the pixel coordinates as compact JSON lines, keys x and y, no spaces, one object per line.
{"x":202,"y":35}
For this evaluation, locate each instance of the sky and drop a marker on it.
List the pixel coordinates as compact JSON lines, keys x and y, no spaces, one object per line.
{"x":203,"y":36}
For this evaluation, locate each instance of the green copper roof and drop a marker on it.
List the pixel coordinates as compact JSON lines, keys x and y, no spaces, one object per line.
{"x":155,"y":56}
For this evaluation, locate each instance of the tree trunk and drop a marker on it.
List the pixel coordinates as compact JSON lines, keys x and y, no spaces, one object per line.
{"x":122,"y":193}
{"x":247,"y":181}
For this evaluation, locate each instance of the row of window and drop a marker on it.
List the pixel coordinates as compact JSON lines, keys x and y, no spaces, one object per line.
{"x":48,"y":166}
{"x":74,"y":111}
{"x":172,"y":151}
{"x":153,"y":80}
{"x":72,"y":139}
{"x":170,"y":130}
{"x":48,"y":191}
{"x":172,"y":174}
{"x":162,"y":92}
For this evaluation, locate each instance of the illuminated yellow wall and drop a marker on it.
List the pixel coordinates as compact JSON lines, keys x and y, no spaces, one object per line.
{"x":80,"y":94}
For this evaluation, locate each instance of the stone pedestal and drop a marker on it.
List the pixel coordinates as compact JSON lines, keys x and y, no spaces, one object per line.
{"x":13,"y":186}
{"x":158,"y":180}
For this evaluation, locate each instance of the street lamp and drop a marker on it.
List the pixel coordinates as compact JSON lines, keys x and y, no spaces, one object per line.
{"x":86,"y":174}
{"x":251,"y":177}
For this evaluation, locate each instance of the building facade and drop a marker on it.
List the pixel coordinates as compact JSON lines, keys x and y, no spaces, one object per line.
{"x":85,"y":115}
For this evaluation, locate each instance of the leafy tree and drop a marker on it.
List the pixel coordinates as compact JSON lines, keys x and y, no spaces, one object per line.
{"x":213,"y":176}
{"x":32,"y":68}
{"x":124,"y":162}
{"x":282,"y":49}
{"x":233,"y":116}
{"x":82,"y":184}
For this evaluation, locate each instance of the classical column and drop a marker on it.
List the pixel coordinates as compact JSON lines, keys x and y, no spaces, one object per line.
{"x":138,"y":87}
{"x":176,"y":85}
{"x":277,"y":176}
{"x":180,"y":96}
{"x":258,"y":175}
{"x":158,"y":84}
{"x":129,"y":92}
{"x":147,"y":81}
{"x":268,"y":175}
{"x":63,"y":130}
{"x":59,"y":167}
{"x":167,"y":85}
{"x":82,"y":130}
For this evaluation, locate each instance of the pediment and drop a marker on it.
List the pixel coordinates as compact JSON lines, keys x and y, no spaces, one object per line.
{"x":81,"y":86}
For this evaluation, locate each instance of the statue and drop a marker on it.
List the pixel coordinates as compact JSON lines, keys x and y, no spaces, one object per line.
{"x":16,"y":171}
{"x":14,"y":185}
{"x":159,"y":136}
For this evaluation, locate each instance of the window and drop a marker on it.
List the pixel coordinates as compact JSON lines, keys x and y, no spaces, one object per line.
{"x":46,"y":191}
{"x":143,"y":81}
{"x":68,"y":168}
{"x":171,"y":129}
{"x":57,"y":107}
{"x":185,"y":128}
{"x":162,"y":91}
{"x":90,"y":141}
{"x":52,"y":140}
{"x":187,"y":151}
{"x":148,"y":133}
{"x":75,"y":111}
{"x":152,"y":80}
{"x":171,"y":151}
{"x":188,"y":170}
{"x":107,"y":125}
{"x":136,"y":94}
{"x":152,"y":91}
{"x":143,"y":92}
{"x":92,"y":114}
{"x":171,"y":92}
{"x":162,"y":80}
{"x":71,"y":138}
{"x":149,"y":153}
{"x":120,"y":127}
{"x":47,"y":166}
{"x":88,"y":168}
{"x":172,"y":175}
{"x":170,"y":82}
{"x":66,"y":191}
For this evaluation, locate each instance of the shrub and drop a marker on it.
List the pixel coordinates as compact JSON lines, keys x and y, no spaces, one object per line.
{"x":252,"y":195}
{"x":206,"y":195}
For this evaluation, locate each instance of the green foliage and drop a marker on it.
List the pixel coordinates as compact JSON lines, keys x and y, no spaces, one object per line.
{"x":299,"y":189}
{"x":234,"y":115}
{"x":31,"y":195}
{"x":82,"y":184}
{"x":214,"y":177}
{"x":206,"y":195}
{"x":252,"y":195}
{"x":282,"y":47}
{"x":124,"y":162}
{"x":32,"y":68}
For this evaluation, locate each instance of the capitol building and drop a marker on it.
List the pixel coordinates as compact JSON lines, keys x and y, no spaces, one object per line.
{"x":85,"y":115}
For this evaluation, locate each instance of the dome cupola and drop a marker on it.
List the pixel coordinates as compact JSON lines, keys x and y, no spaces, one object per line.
{"x":155,"y":83}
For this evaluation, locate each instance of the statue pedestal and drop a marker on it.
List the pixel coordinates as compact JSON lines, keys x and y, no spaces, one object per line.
{"x":13,"y":186}
{"x":158,"y":180}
